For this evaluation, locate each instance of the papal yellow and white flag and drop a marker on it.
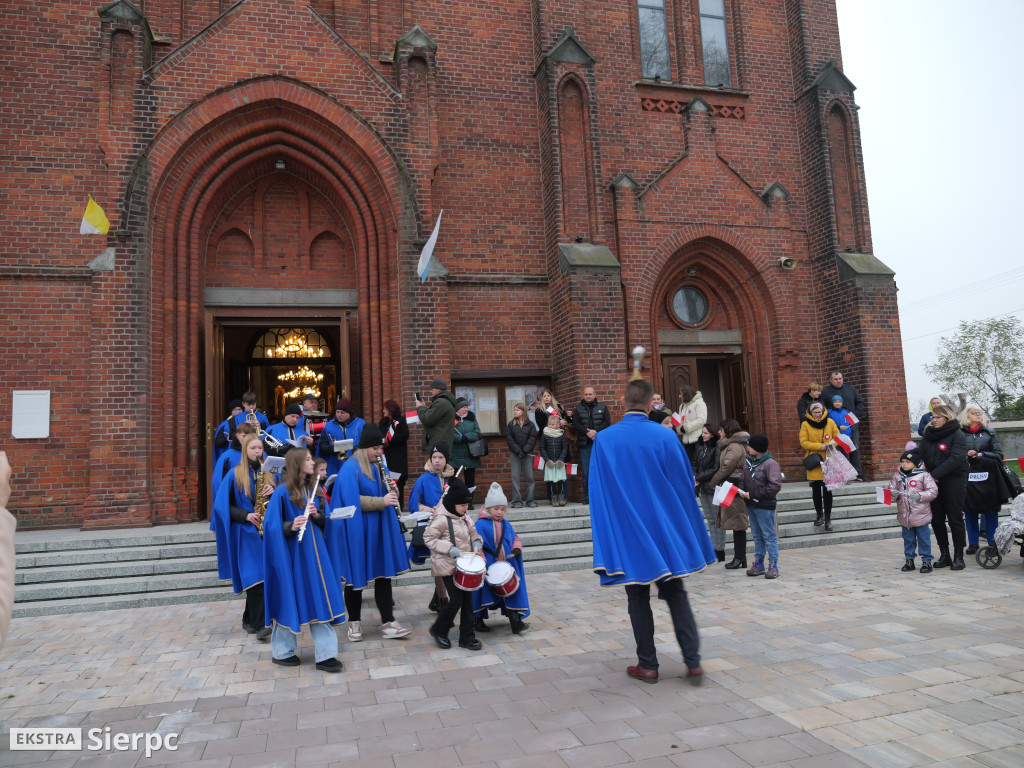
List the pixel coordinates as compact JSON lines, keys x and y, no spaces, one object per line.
{"x":94,"y":220}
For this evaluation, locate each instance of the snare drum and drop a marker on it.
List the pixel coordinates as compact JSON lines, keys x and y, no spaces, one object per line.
{"x":469,"y":572}
{"x":502,"y":579}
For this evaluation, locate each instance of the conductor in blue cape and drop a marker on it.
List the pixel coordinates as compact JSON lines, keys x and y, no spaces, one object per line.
{"x":648,"y":527}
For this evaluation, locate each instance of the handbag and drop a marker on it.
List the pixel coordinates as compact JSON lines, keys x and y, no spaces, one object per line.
{"x":836,"y":469}
{"x":812,"y":461}
{"x":1011,"y":480}
{"x":478,"y":447}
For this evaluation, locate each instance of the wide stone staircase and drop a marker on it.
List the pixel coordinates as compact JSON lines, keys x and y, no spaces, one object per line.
{"x":66,"y":571}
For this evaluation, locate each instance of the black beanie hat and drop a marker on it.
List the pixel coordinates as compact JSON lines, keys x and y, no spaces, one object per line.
{"x":659,"y":417}
{"x":758,"y":442}
{"x":911,"y":453}
{"x":293,"y":408}
{"x":439,"y":384}
{"x":458,"y":493}
{"x":235,"y":404}
{"x":370,"y":437}
{"x":441,"y":447}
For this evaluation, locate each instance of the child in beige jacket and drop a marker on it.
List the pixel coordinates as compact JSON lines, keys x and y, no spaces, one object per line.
{"x":450,"y":534}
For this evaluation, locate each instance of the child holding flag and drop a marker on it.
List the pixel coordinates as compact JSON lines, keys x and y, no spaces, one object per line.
{"x":913,"y":490}
{"x":845,"y":420}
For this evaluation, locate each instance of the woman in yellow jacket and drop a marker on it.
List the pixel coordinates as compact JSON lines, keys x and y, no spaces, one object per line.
{"x":817,"y":430}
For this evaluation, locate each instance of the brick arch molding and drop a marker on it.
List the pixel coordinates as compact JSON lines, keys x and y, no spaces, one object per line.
{"x":193,"y":165}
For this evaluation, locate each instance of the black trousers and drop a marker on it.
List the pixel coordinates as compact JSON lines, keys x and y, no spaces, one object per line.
{"x":253,"y":615}
{"x":638,"y":600}
{"x":458,"y":600}
{"x":381,"y":596}
{"x":949,"y":507}
{"x":821,"y":494}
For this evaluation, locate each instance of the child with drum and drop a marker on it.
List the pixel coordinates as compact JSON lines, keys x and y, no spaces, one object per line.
{"x":453,"y":542}
{"x":505,"y":583}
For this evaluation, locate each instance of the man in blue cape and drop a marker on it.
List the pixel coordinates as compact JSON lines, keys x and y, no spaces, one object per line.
{"x":648,"y":527}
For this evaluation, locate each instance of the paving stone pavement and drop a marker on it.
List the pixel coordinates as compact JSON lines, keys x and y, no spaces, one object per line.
{"x":843,"y":662}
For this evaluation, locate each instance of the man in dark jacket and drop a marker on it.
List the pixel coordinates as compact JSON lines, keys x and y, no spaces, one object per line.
{"x":853,"y":402}
{"x":438,"y":419}
{"x":590,"y":417}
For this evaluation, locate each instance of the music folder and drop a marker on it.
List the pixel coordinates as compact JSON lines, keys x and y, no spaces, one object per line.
{"x":341,"y":446}
{"x":273,"y":464}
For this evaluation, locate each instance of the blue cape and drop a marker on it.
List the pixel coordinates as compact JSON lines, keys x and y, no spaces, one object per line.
{"x":426,"y":492}
{"x":239,"y":546}
{"x":351,"y":430}
{"x":221,"y":428}
{"x":301,"y":584}
{"x":239,"y":418}
{"x":484,"y":598}
{"x":280,"y":431}
{"x":370,"y":544}
{"x":646,"y":522}
{"x":221,"y":469}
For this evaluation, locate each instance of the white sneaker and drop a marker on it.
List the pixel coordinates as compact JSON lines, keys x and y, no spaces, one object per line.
{"x":355,"y":632}
{"x":393,"y":631}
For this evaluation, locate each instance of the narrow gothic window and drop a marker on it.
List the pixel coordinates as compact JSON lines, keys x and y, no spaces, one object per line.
{"x":654,"y":39}
{"x":714,"y":42}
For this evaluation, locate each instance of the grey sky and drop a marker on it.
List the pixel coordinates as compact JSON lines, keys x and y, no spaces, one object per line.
{"x":940,"y":126}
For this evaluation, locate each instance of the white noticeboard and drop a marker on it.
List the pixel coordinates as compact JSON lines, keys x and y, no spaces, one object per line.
{"x":30,"y":414}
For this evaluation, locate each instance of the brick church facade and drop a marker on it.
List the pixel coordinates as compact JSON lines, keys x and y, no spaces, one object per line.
{"x":684,"y":175}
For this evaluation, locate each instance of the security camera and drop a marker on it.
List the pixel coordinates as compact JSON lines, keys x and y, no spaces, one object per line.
{"x":787,"y":262}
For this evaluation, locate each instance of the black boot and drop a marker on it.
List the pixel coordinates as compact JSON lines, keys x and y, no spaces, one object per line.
{"x":943,"y":561}
{"x":958,"y":559}
{"x":480,"y":626}
{"x":908,"y":566}
{"x":819,"y":520}
{"x":435,"y":604}
{"x":828,"y":520}
{"x":827,"y":500}
{"x":720,"y":554}
{"x":739,"y":557}
{"x":517,"y":624}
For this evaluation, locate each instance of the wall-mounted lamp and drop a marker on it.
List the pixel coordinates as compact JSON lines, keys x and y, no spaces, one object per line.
{"x":691,"y":271}
{"x":279,"y":165}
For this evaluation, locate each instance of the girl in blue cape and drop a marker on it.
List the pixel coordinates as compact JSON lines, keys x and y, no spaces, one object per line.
{"x":302,"y":584}
{"x":500,"y":543}
{"x":647,"y":527}
{"x":239,"y":544}
{"x":227,"y":462}
{"x":371,"y":539}
{"x":344,"y":426}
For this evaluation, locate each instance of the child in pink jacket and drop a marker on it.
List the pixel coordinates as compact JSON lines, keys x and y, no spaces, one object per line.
{"x":913,"y":490}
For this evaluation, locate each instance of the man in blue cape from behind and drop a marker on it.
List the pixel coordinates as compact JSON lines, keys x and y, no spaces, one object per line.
{"x":648,"y":527}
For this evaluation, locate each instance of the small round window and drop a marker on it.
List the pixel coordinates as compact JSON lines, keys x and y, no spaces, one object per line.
{"x":690,"y":305}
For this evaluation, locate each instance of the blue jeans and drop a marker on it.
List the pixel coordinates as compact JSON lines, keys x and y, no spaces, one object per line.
{"x":762,"y":527}
{"x":919,"y":538}
{"x":585,"y":467}
{"x":991,"y":521}
{"x":283,"y":642}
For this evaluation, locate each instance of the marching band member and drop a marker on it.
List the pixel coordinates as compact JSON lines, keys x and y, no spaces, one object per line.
{"x":239,"y":542}
{"x":500,"y":543}
{"x":395,"y":429}
{"x":450,"y":534}
{"x":249,"y":412}
{"x":371,"y":541}
{"x":303,"y":585}
{"x":222,"y":437}
{"x":228,"y":461}
{"x":426,"y":492}
{"x":288,"y":429}
{"x":344,"y":426}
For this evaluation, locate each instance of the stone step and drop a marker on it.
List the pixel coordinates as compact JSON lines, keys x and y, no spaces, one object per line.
{"x":115,"y":602}
{"x":160,"y":582}
{"x":29,"y":542}
{"x":116,"y":570}
{"x":117,"y":554}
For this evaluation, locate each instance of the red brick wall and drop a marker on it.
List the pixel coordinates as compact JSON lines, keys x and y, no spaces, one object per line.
{"x":177,"y":138}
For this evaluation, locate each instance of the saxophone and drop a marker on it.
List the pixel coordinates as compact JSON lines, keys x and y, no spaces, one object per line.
{"x":259,"y":504}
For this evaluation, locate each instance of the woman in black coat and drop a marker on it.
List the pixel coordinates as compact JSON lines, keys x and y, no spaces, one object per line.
{"x":521,"y":434}
{"x":987,"y":489}
{"x":396,"y":444}
{"x":705,"y":465}
{"x":945,"y":457}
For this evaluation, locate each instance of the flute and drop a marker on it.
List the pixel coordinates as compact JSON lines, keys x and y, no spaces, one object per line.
{"x":310,"y":500}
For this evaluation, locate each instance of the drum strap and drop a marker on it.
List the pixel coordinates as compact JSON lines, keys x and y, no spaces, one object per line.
{"x":451,"y":531}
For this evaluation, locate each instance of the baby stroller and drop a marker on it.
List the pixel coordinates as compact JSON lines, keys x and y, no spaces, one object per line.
{"x":1007,"y":535}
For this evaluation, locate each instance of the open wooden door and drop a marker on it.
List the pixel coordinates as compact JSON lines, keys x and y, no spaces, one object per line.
{"x":215,"y":403}
{"x":346,"y":362}
{"x":677,"y":370}
{"x":736,"y":390}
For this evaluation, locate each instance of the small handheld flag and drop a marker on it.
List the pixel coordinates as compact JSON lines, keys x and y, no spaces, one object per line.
{"x":677,"y":420}
{"x":423,"y":267}
{"x":883,"y":495}
{"x":724,"y":494}
{"x":538,"y":462}
{"x":845,"y":442}
{"x":572,"y":469}
{"x":851,"y":419}
{"x":94,"y":220}
{"x":412,"y":417}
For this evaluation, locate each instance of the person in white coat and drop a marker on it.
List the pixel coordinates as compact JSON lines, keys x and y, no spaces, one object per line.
{"x":695,"y":416}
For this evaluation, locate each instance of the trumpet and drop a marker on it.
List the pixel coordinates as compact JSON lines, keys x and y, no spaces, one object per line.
{"x":272,"y":442}
{"x":251,"y":418}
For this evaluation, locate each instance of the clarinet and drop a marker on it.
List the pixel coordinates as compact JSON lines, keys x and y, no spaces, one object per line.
{"x":310,"y":500}
{"x":389,"y":484}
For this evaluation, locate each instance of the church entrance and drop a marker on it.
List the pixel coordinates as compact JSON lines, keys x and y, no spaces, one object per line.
{"x":720,"y":378}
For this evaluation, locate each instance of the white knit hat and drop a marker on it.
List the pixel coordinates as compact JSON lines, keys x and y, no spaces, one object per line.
{"x":495,"y":497}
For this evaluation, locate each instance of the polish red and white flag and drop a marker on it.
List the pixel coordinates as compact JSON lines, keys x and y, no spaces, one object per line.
{"x":883,"y":495}
{"x":572,"y":469}
{"x":412,"y":417}
{"x":538,"y":462}
{"x":851,"y":419}
{"x":552,"y":410}
{"x":724,"y":494}
{"x":845,"y":442}
{"x":677,"y":419}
